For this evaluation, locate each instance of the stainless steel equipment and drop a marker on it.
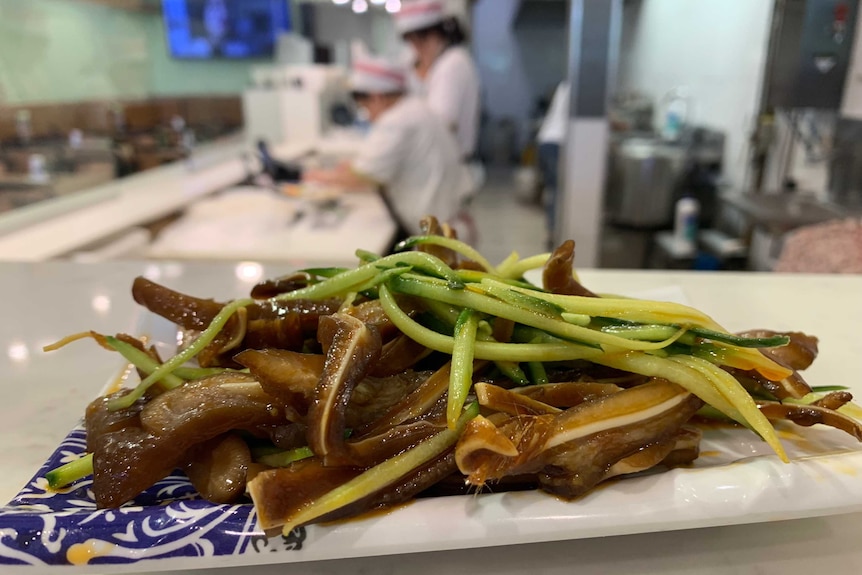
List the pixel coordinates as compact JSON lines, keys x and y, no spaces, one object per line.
{"x":641,"y":182}
{"x":647,"y":175}
{"x":809,"y":53}
{"x":781,"y":213}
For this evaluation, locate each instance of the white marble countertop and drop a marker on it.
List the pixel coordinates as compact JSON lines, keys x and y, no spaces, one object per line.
{"x":59,"y":226}
{"x":43,"y":395}
{"x":277,"y":228}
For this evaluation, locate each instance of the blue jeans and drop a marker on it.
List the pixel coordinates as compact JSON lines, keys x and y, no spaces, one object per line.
{"x":549,"y":166}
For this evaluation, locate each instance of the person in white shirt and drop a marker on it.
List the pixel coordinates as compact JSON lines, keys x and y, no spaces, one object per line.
{"x":550,"y":138}
{"x":407,"y":150}
{"x":447,"y":75}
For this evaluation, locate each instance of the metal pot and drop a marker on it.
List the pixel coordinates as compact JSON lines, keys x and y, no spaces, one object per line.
{"x":641,"y":180}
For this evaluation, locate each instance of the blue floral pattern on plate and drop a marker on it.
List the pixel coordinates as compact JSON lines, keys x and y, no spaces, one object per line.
{"x":169,"y":520}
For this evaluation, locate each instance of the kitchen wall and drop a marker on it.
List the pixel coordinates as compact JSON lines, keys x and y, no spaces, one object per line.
{"x":68,"y":51}
{"x":712,"y":51}
{"x":520,"y":59}
{"x":62,"y":51}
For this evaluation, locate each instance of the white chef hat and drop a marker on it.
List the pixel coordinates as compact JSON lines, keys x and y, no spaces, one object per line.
{"x":419,"y":14}
{"x":374,"y":74}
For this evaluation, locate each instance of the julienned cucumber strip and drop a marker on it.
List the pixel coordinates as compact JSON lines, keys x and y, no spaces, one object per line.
{"x":201,"y":342}
{"x":427,"y":263}
{"x":142,"y":361}
{"x":461,"y":375}
{"x":774,"y":341}
{"x":324,"y":272}
{"x":453,"y":244}
{"x":285,"y":458}
{"x":411,"y":285}
{"x":70,"y":472}
{"x":610,"y":325}
{"x":551,"y":350}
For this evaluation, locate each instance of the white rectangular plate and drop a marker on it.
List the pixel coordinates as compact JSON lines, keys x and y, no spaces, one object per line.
{"x":736,"y":480}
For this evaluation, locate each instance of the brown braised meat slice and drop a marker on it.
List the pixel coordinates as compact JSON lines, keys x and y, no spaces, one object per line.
{"x":203,"y":409}
{"x":191,"y":312}
{"x":371,"y":314}
{"x":279,"y":494}
{"x":430,"y":226}
{"x":834,"y":400}
{"x":218,"y":467}
{"x":506,"y":401}
{"x":576,"y":464}
{"x":681,"y":448}
{"x":267,"y":323}
{"x":289,"y":376}
{"x":282,"y":492}
{"x":423,"y":401}
{"x":398,"y":355}
{"x":352,"y":347}
{"x":293,"y":377}
{"x":184,"y":310}
{"x":796,"y":355}
{"x":276,"y":286}
{"x":558,"y":275}
{"x":573,"y":450}
{"x":818,"y":412}
{"x":569,"y":393}
{"x":126,"y":459}
{"x":374,"y":396}
{"x":135,"y":447}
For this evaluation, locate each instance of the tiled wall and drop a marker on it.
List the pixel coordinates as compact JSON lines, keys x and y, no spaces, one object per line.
{"x":71,"y":51}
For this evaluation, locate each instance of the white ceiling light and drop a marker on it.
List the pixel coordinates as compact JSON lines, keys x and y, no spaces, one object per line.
{"x":393,"y":6}
{"x":340,"y":1}
{"x":360,"y":6}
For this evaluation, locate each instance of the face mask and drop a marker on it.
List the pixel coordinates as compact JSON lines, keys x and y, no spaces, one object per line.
{"x":408,"y":55}
{"x":362,"y":115}
{"x":363,"y":119}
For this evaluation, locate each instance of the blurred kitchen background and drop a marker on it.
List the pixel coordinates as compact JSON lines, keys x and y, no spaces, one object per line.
{"x":750,"y":108}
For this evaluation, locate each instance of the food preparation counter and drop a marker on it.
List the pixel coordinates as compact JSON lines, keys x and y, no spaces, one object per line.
{"x":265,"y":225}
{"x":780,"y":213}
{"x":61,"y":226}
{"x":42,"y":396}
{"x":17,"y":190}
{"x":57,"y":227}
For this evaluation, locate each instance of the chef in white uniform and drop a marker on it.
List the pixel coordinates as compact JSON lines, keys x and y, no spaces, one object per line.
{"x":446,"y":73}
{"x":407,"y":151}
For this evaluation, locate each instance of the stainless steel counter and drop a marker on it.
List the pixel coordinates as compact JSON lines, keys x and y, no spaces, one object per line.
{"x":780,"y":213}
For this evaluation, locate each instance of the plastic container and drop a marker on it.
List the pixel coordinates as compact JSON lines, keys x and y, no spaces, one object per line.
{"x":686,"y":220}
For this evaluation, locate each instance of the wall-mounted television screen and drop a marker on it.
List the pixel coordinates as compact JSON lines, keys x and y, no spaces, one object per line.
{"x":203,"y":29}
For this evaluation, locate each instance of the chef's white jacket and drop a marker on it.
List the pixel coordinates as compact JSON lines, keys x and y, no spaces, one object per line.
{"x":451,"y":89}
{"x":410,"y":152}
